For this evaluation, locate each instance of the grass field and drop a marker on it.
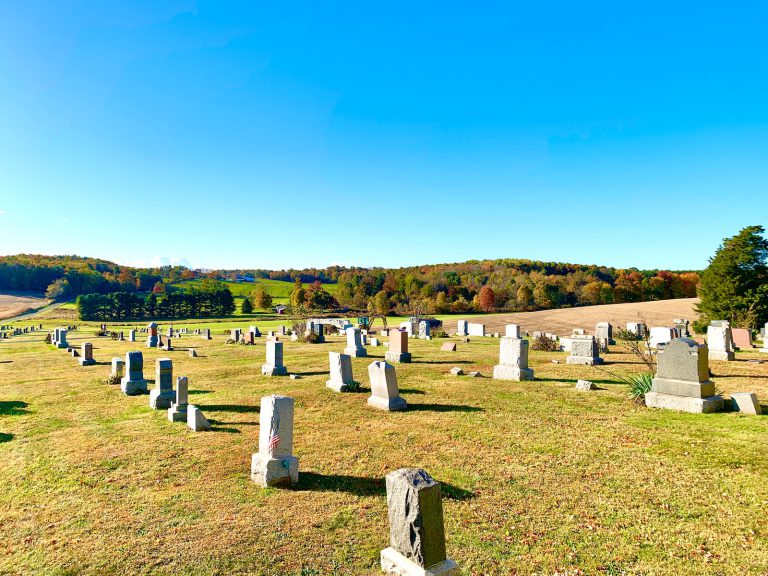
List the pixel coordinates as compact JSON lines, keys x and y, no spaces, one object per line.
{"x":538,"y":478}
{"x":14,"y":304}
{"x":279,"y":290}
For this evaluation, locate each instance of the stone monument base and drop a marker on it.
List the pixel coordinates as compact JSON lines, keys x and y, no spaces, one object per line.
{"x":356,"y":352}
{"x":395,"y":358}
{"x":152,"y":342}
{"x":721,"y":355}
{"x":502,"y":372}
{"x":584,"y":360}
{"x":177,"y":414}
{"x":133,"y":387}
{"x":684,"y":403}
{"x":270,"y":370}
{"x":160,"y":401}
{"x":395,"y":564}
{"x":84,"y":362}
{"x":391,"y":404}
{"x":267,"y":471}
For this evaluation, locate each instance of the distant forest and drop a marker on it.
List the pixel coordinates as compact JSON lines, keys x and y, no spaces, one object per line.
{"x":477,"y":285}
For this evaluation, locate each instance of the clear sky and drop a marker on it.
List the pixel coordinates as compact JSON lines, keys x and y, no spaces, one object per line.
{"x":273,"y":134}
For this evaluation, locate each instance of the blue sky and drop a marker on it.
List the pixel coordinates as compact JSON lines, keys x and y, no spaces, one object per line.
{"x":267,"y":134}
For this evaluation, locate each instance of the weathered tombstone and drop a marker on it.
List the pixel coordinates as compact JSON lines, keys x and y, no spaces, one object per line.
{"x":152,"y":338}
{"x":274,"y":364}
{"x":117,"y":368}
{"x":341,"y":372}
{"x":354,"y":345}
{"x":424,"y":330}
{"x":720,"y":341}
{"x":416,"y":531}
{"x":456,"y":371}
{"x":512,"y":331}
{"x":385,"y":394}
{"x":162,"y":395}
{"x":585,"y":386}
{"x":178,"y":410}
{"x":86,"y":354}
{"x":133,"y":383}
{"x":476,"y":329}
{"x":660,"y":336}
{"x":448,"y":347}
{"x":398,"y":347}
{"x":746,"y":403}
{"x":682,"y":379}
{"x":742,"y":338}
{"x":317,"y":328}
{"x":604,"y":332}
{"x":513,"y":360}
{"x":274,"y":464}
{"x":196,"y":421}
{"x":566,"y":344}
{"x":61,"y":340}
{"x":462,"y":328}
{"x":206,"y":333}
{"x":584,"y":350}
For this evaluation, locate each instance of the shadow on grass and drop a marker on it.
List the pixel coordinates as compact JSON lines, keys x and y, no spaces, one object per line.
{"x":215,"y":427}
{"x":750,"y":376}
{"x":362,"y":486}
{"x":12,"y":407}
{"x":318,"y":373}
{"x":441,"y":362}
{"x":574,"y":380}
{"x":365,"y":390}
{"x":240,"y":408}
{"x":5,"y":361}
{"x":5,"y":437}
{"x":442,"y":408}
{"x":199,"y":392}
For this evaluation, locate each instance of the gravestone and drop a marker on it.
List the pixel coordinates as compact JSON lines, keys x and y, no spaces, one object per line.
{"x":86,"y":354}
{"x":168,"y":346}
{"x":585,"y":386}
{"x":746,"y":403}
{"x":61,"y":339}
{"x":375,"y":342}
{"x":512,"y":331}
{"x":476,"y":329}
{"x":132,"y":336}
{"x":206,"y":334}
{"x":152,"y":338}
{"x":566,"y":344}
{"x":385,"y":394}
{"x":398,"y":347}
{"x":720,"y":341}
{"x":317,"y":328}
{"x":682,"y":379}
{"x":196,"y":421}
{"x":192,"y":353}
{"x":255,"y":331}
{"x":416,"y":531}
{"x":178,"y":410}
{"x":681,"y":325}
{"x":584,"y":351}
{"x":274,"y":464}
{"x":513,"y":360}
{"x":448,"y":347}
{"x":604,"y":332}
{"x":169,"y":332}
{"x":235,"y":335}
{"x":385,"y":332}
{"x":638,"y":329}
{"x":117,"y":368}
{"x":281,"y":330}
{"x":354,"y":345}
{"x":765,"y":338}
{"x":462,"y":328}
{"x":742,"y":338}
{"x":456,"y":371}
{"x":121,"y":336}
{"x":660,"y":336}
{"x":274,"y":364}
{"x":133,"y":383}
{"x":341,"y":372}
{"x":162,"y":395}
{"x":424,"y":330}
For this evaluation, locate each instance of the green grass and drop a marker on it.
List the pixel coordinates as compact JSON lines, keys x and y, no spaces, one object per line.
{"x":537,"y":477}
{"x":279,"y":290}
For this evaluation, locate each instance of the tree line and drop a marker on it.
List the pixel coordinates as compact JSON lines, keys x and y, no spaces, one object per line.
{"x":211,"y":302}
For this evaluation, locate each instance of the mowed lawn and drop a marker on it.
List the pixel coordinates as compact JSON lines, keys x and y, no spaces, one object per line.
{"x":537,"y":477}
{"x":278,"y":289}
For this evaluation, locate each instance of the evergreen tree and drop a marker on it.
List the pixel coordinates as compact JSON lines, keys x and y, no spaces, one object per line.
{"x":734,"y":286}
{"x":247,"y":307}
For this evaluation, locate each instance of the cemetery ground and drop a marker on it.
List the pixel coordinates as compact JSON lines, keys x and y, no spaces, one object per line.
{"x":537,"y":477}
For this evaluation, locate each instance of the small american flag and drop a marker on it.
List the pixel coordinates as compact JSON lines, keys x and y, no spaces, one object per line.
{"x":274,"y":438}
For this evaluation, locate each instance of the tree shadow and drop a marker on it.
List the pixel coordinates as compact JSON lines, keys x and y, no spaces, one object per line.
{"x":363,"y":389}
{"x":12,"y":407}
{"x":240,"y":408}
{"x":362,"y":486}
{"x":443,"y":408}
{"x":441,"y":362}
{"x":226,"y":429}
{"x":5,"y":437}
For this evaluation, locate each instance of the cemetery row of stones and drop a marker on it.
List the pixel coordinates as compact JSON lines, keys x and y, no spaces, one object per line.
{"x":417,"y":540}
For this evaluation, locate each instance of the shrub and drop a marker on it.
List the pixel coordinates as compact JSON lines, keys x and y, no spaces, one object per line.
{"x":639,"y":384}
{"x":230,"y":341}
{"x":545,"y":344}
{"x":624,"y":334}
{"x":311,"y":338}
{"x":112,"y":379}
{"x":247,"y":307}
{"x":438,"y":333}
{"x":48,"y":338}
{"x":700,"y":326}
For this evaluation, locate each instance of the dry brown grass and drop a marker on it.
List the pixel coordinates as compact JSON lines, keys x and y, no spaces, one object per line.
{"x":14,"y":304}
{"x":538,"y":478}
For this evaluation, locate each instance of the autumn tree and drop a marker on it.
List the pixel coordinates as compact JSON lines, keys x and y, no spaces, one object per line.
{"x":486,"y":299}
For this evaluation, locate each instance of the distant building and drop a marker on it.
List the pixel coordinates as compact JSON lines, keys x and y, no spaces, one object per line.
{"x":280,"y":309}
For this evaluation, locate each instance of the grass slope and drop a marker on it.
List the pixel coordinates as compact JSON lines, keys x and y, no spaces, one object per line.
{"x":279,"y":290}
{"x":538,"y":478}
